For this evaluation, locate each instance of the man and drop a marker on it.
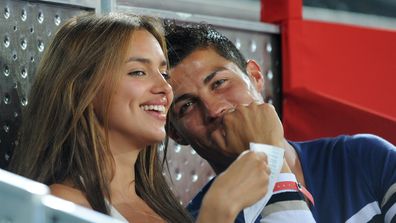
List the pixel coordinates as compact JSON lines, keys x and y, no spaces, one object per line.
{"x":351,"y":178}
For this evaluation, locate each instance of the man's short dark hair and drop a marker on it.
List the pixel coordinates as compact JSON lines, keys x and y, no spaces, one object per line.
{"x":184,"y":39}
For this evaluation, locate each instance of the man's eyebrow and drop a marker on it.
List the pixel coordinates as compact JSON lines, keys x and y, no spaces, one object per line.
{"x":182,"y":98}
{"x":212,"y":75}
{"x":143,"y":60}
{"x":207,"y":79}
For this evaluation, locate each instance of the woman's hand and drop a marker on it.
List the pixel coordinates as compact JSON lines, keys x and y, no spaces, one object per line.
{"x":242,"y":184}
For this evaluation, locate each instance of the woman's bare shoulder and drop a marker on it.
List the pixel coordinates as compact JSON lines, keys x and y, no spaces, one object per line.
{"x":69,"y":193}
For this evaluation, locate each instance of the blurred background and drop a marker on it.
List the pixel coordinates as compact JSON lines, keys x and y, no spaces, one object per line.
{"x":328,"y":64}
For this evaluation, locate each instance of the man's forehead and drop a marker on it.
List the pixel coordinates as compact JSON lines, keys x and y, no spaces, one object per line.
{"x":194,"y":71}
{"x":182,"y":87}
{"x":199,"y":59}
{"x":185,"y":75}
{"x":178,"y":83}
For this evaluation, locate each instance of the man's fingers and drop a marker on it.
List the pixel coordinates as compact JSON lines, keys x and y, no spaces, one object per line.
{"x":218,"y":138}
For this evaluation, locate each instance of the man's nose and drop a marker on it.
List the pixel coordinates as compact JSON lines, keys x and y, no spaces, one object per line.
{"x":215,"y":108}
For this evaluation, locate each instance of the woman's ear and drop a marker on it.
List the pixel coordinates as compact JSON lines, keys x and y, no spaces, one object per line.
{"x":254,"y":72}
{"x":175,"y":135}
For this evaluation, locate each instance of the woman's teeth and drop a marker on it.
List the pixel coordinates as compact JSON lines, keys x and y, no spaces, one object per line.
{"x":159,"y":108}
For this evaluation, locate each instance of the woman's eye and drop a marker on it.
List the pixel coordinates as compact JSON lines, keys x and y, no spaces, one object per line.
{"x":137,"y":73}
{"x":218,"y":83}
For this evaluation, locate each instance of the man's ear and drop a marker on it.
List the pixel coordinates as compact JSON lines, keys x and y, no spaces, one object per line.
{"x":175,"y":135}
{"x":254,"y":72}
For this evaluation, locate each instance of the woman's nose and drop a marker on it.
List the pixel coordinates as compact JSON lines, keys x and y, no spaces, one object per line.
{"x":162,"y":86}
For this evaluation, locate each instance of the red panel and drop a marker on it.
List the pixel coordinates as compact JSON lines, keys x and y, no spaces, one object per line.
{"x":350,"y":72}
{"x":355,"y":64}
{"x":311,"y":115}
{"x":292,"y":45}
{"x":275,"y":11}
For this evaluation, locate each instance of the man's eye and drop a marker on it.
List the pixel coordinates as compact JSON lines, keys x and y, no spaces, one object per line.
{"x":137,"y":73}
{"x":218,"y":83}
{"x":186,"y":107}
{"x":165,"y":75}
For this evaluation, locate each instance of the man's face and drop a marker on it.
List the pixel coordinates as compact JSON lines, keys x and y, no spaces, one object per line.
{"x":205,"y":87}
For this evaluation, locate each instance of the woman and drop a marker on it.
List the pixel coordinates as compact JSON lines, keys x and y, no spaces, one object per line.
{"x":96,"y":111}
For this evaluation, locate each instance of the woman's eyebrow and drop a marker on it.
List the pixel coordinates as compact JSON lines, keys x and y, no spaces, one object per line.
{"x":138,"y":59}
{"x":144,"y":60}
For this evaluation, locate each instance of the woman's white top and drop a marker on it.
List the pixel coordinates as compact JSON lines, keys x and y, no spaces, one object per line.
{"x":115,"y":214}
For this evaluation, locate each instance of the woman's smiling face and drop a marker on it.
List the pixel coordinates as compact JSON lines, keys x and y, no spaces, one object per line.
{"x":137,"y":113}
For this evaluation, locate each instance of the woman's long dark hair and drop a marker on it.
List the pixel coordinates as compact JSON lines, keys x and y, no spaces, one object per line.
{"x":60,"y":134}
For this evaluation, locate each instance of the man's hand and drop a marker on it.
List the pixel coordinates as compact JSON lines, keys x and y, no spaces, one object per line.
{"x":257,"y":123}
